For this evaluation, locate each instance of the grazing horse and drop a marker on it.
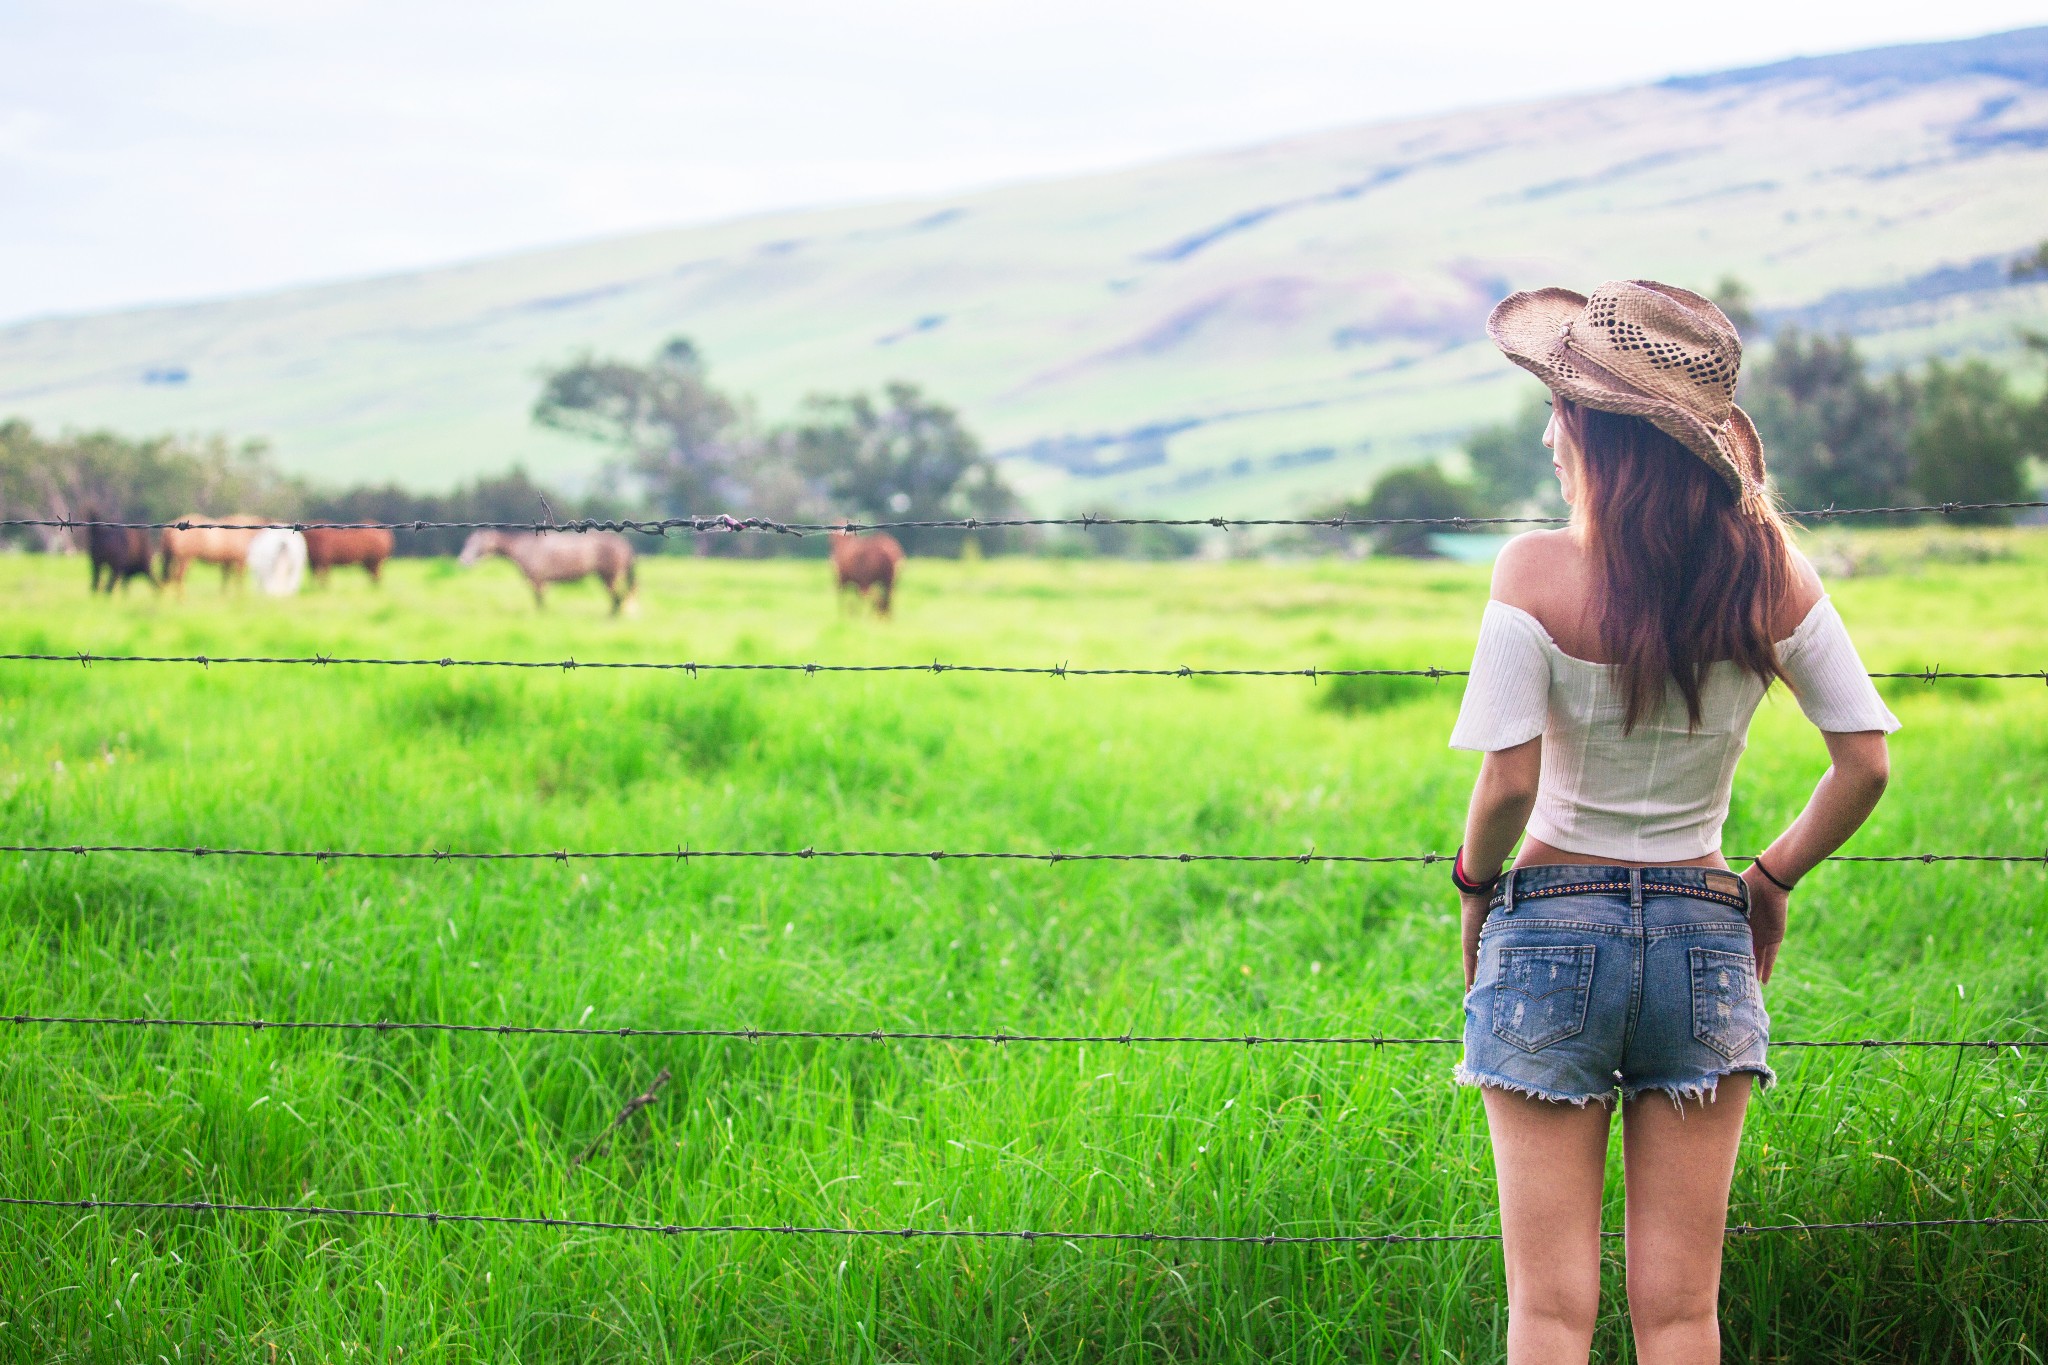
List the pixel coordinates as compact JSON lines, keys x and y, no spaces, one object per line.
{"x":225,"y":543}
{"x":561,"y":557}
{"x":277,"y":560}
{"x":123,"y":551}
{"x":326,"y":547}
{"x":864,"y":562}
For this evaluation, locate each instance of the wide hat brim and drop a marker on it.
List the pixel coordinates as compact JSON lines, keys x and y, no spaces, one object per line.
{"x":1533,"y":329}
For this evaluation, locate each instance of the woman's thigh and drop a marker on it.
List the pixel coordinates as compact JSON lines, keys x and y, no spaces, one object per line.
{"x":1680,"y":1161}
{"x":1550,"y":1160}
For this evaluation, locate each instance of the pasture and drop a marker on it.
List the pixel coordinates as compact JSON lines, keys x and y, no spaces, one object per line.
{"x":1192,"y":1139}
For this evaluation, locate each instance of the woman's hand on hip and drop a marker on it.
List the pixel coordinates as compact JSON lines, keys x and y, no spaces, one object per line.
{"x":1768,"y":906}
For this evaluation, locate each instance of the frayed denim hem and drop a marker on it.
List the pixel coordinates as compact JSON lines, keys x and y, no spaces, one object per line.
{"x":1465,"y":1075}
{"x":1704,"y":1088}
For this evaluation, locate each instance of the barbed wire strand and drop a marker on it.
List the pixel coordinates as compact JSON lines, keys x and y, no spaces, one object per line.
{"x":878,"y":1035}
{"x":86,"y":658}
{"x":683,"y":854}
{"x":436,"y":1218}
{"x":722,"y":523}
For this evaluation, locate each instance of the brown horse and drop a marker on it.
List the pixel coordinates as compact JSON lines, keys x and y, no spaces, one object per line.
{"x":368,"y":546}
{"x":561,"y":557}
{"x":121,"y":551}
{"x":864,"y":562}
{"x":224,"y":542}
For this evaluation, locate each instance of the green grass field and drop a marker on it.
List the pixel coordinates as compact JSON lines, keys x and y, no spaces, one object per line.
{"x":1200,"y":1139}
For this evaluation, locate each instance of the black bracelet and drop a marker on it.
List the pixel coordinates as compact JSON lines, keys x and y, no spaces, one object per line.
{"x":1470,"y":888}
{"x":1758,"y":864}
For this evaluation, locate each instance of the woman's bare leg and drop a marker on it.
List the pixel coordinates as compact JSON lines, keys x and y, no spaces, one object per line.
{"x":1550,"y":1160}
{"x":1680,"y":1162}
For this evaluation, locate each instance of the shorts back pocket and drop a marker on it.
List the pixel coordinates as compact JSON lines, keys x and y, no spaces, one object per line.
{"x":1727,"y":1008}
{"x":1540,"y":994}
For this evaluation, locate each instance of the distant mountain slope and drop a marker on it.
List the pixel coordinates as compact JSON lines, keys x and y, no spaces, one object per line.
{"x":1241,"y":331}
{"x":2020,"y":56}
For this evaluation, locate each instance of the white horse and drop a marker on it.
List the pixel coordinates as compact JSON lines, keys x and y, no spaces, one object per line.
{"x":277,"y":561}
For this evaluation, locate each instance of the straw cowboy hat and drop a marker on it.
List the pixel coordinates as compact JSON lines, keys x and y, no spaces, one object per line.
{"x":1645,"y":350}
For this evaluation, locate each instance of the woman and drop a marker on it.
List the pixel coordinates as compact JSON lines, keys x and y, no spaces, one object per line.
{"x":1619,"y":662}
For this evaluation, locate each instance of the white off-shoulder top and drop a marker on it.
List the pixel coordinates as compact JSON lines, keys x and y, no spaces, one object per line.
{"x":1660,"y":792}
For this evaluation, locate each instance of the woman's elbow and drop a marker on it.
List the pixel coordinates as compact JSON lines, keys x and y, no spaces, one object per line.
{"x":1866,"y":767}
{"x":1517,"y":792}
{"x":1508,"y":793}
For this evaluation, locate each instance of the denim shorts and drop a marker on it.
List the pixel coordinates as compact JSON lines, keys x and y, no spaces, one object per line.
{"x":1598,"y":979}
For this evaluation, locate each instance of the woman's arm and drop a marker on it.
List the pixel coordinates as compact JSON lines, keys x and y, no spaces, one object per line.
{"x":1501,"y":801}
{"x":1505,"y":698}
{"x":1847,"y":793}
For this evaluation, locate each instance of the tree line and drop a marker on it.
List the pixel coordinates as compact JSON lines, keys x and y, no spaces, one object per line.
{"x":102,"y":475}
{"x":675,"y":445}
{"x":1837,"y":432}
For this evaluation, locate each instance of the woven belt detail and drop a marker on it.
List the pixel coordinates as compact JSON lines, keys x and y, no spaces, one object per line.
{"x":1727,"y":898}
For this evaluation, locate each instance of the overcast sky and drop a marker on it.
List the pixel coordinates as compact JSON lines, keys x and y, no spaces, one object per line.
{"x":166,"y":149}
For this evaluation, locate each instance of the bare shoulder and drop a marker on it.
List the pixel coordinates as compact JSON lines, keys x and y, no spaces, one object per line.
{"x":1804,"y":591}
{"x":1533,"y":568}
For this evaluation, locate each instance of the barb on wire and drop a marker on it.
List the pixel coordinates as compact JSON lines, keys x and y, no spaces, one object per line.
{"x":436,"y":1219}
{"x":85,"y":658}
{"x":633,"y":1106}
{"x":807,"y":853}
{"x":879,"y":1035}
{"x":721,"y":523}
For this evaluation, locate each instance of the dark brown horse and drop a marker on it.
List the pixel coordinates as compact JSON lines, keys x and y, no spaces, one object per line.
{"x":123,"y":552}
{"x":329,"y":546}
{"x":863,"y":562}
{"x":561,"y":557}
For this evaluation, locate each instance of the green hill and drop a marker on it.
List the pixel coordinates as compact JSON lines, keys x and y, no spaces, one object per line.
{"x":1241,"y":331}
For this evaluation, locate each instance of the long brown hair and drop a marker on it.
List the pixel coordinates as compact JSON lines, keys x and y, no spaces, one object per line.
{"x":1687,"y":575}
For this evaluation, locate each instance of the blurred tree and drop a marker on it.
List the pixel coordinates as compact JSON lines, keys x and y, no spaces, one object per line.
{"x":1732,"y":297}
{"x":1832,"y":434}
{"x":2034,"y":417}
{"x":906,"y":458}
{"x":1971,"y":437}
{"x":1417,"y":490}
{"x":678,"y":437}
{"x":114,"y":477}
{"x":1510,"y":463}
